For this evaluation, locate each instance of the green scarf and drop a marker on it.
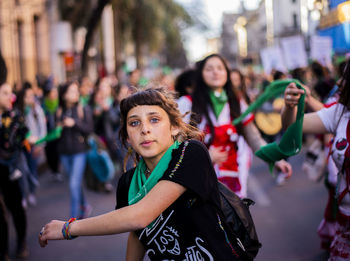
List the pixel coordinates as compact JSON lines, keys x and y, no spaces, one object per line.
{"x":140,"y":184}
{"x":290,"y":143}
{"x":218,"y":101}
{"x":50,"y":105}
{"x":84,"y":100}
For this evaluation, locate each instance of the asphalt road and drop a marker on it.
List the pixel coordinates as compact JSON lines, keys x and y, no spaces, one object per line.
{"x":286,"y":219}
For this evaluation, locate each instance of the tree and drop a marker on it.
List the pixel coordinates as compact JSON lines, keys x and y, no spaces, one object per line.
{"x":151,"y":25}
{"x":93,"y":22}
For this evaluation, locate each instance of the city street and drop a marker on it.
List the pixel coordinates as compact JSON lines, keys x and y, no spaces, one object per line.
{"x":286,"y":218}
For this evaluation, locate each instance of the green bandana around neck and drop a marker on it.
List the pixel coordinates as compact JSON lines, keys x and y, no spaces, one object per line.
{"x":218,"y":100}
{"x":291,"y":141}
{"x":51,"y":105}
{"x":84,"y":100}
{"x":27,"y":110}
{"x":140,"y":184}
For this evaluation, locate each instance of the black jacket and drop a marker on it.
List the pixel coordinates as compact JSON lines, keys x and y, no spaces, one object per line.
{"x":74,"y":140}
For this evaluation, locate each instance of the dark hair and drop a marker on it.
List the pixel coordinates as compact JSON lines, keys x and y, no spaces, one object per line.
{"x":299,"y":74}
{"x":185,"y":80}
{"x":243,"y":87}
{"x":163,"y":99}
{"x":341,"y":68}
{"x":201,"y":99}
{"x":318,"y":70}
{"x":345,"y":87}
{"x":62,"y":89}
{"x":277,"y":75}
{"x":19,"y":104}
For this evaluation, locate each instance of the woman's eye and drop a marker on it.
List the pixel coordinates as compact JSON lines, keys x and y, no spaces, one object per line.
{"x":154,"y":120}
{"x":134,"y":123}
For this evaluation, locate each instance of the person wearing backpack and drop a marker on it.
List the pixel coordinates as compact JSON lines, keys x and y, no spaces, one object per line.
{"x":333,"y":120}
{"x":170,"y":203}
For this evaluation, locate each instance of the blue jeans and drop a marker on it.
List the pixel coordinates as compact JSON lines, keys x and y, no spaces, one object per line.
{"x":74,"y":165}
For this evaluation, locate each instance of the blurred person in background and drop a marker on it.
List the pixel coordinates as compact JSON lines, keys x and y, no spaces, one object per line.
{"x":36,"y":123}
{"x":322,"y":82}
{"x":106,"y":122}
{"x":106,"y":116}
{"x":214,"y":106}
{"x":50,"y":106}
{"x":12,"y":135}
{"x":245,"y":154}
{"x":184,"y":82}
{"x":124,"y":162}
{"x":134,"y":78}
{"x":77,"y":124}
{"x":86,"y":89}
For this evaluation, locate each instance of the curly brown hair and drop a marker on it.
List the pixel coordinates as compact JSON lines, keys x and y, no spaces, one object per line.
{"x":164,"y":99}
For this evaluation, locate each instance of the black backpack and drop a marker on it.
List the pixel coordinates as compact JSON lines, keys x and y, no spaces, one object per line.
{"x":239,"y":220}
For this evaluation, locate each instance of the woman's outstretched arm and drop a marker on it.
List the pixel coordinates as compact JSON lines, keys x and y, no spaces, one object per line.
{"x":126,"y":219}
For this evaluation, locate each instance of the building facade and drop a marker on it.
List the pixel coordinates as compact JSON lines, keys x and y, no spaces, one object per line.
{"x":24,"y":39}
{"x":336,"y":24}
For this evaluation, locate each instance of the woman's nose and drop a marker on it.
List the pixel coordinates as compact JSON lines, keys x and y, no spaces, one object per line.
{"x":145,"y":128}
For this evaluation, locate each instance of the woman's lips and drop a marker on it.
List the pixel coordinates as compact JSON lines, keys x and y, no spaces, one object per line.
{"x":146,"y":143}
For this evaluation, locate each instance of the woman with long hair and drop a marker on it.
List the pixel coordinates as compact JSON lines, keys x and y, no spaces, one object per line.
{"x":214,"y":106}
{"x":76,"y":122}
{"x":170,"y":201}
{"x":36,"y":123}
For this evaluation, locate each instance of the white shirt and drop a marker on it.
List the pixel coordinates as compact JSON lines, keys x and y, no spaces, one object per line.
{"x":335,"y":119}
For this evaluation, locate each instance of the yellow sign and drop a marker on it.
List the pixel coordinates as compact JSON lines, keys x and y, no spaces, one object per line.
{"x":338,"y":15}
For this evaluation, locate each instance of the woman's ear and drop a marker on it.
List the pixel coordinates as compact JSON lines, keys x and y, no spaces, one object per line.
{"x":175,"y":131}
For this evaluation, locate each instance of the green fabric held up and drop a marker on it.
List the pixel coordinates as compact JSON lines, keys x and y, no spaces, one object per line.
{"x":52,"y":135}
{"x":218,"y":101}
{"x":140,"y":185}
{"x":291,"y":141}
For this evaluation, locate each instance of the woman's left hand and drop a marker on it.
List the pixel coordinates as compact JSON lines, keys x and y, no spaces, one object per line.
{"x":292,"y":95}
{"x":51,"y":231}
{"x":285,"y":167}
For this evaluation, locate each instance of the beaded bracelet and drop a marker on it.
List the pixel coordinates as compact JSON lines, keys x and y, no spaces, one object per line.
{"x":65,"y":229}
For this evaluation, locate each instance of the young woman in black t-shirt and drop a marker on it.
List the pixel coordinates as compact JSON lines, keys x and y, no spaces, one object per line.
{"x":170,"y":202}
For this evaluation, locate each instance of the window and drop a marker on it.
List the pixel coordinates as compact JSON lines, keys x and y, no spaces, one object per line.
{"x":37,"y":39}
{"x":21,"y":59}
{"x":295,"y":21}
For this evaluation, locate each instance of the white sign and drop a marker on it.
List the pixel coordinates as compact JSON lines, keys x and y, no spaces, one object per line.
{"x":294,"y":52}
{"x":321,"y":49}
{"x":272,"y":59}
{"x":63,"y":37}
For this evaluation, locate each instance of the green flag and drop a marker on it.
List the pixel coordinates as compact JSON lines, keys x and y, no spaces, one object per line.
{"x":52,"y":135}
{"x":291,"y":141}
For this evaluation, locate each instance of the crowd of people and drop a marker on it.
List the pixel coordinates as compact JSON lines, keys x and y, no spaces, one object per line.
{"x":173,"y":149}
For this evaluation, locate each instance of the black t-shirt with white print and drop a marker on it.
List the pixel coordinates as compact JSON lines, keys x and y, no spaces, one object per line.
{"x":190,"y":228}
